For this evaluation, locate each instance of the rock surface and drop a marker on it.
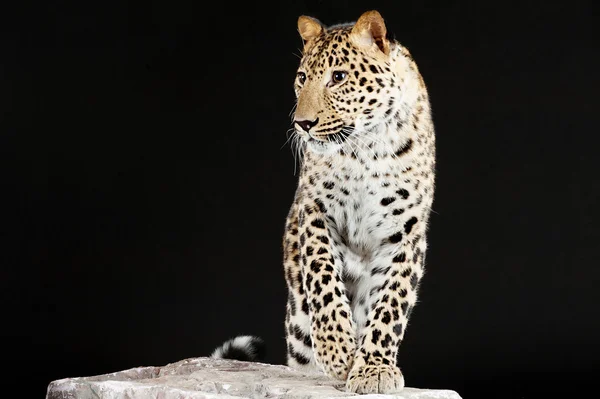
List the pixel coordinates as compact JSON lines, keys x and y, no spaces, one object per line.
{"x":206,"y":378}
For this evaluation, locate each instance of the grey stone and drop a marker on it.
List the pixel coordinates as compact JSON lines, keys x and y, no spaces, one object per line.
{"x":207,"y":378}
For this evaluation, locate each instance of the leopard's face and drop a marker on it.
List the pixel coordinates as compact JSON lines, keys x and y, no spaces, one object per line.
{"x":345,"y":84}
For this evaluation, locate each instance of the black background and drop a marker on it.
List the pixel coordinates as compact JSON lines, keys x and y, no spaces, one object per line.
{"x":147,"y":186}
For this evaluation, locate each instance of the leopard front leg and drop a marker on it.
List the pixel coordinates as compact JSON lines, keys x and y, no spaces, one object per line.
{"x":297,"y":321}
{"x":332,"y":327}
{"x":393,"y":288}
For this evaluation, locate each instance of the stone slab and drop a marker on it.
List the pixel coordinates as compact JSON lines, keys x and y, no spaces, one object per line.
{"x":207,"y":378}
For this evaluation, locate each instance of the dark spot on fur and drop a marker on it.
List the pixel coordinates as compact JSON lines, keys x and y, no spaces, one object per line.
{"x":315,"y":266}
{"x":398,"y":329}
{"x":414,"y":280}
{"x":404,"y":307}
{"x":388,"y":200}
{"x":403,"y":193}
{"x":318,"y":223}
{"x":409,"y":224}
{"x":304,"y":306}
{"x":327,"y":299}
{"x":396,"y":238}
{"x":385,"y":342}
{"x":387,"y":317}
{"x":399,"y":258}
{"x":320,"y":205}
{"x":406,"y":147}
{"x":375,"y":334}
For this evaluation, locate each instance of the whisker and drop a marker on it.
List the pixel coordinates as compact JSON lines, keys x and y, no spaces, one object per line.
{"x":355,"y":147}
{"x":300,"y":51}
{"x":358,"y":137}
{"x":289,"y":134}
{"x":295,"y":151}
{"x":291,"y":114}
{"x":298,"y":153}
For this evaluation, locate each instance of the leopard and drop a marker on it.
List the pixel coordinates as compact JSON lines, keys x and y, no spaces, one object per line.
{"x":355,"y":237}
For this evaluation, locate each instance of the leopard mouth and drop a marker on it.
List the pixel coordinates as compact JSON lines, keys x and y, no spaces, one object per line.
{"x":337,"y":138}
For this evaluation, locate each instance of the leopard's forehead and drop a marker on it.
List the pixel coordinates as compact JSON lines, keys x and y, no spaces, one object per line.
{"x":331,"y":49}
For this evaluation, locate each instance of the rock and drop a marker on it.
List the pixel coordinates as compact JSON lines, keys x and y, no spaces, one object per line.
{"x":206,"y":378}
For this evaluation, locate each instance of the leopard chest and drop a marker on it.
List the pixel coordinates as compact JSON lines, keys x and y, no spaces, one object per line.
{"x":365,"y":202}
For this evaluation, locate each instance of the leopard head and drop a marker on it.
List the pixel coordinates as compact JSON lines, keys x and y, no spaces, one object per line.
{"x":352,"y":78}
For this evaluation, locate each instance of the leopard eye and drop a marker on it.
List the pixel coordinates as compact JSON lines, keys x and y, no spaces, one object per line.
{"x":301,"y":77}
{"x":338,"y":76}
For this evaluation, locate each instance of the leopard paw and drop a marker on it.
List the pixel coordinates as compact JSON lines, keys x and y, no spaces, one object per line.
{"x":375,"y":379}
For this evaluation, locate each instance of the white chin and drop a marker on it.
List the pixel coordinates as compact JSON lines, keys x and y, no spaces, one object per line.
{"x":321,"y":147}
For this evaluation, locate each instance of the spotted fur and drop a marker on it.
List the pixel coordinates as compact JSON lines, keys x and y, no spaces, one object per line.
{"x":355,"y":237}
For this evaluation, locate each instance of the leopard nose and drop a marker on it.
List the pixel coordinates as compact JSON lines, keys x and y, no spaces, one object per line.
{"x":306,"y":125}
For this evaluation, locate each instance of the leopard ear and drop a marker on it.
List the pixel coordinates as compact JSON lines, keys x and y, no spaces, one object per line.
{"x":370,"y":29}
{"x":309,"y":28}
